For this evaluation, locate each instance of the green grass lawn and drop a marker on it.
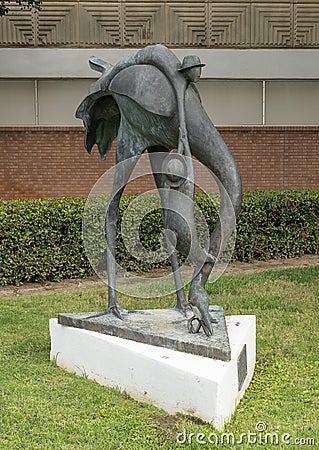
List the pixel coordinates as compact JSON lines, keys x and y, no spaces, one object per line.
{"x":43,"y":407}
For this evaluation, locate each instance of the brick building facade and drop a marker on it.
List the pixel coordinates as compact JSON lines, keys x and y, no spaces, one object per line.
{"x":37,"y":162}
{"x":260,"y":85}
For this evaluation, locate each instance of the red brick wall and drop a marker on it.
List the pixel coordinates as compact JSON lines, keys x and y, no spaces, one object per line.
{"x":46,"y":162}
{"x":275,"y":157}
{"x":52,"y":162}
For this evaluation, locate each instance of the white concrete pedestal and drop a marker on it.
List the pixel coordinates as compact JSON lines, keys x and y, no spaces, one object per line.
{"x":175,"y":381}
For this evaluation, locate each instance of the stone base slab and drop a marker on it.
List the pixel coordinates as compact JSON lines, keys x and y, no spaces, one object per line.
{"x":175,"y":381}
{"x":161,"y":327}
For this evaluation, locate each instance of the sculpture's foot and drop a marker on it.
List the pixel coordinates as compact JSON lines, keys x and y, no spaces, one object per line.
{"x":182,"y":309}
{"x":194,"y":325}
{"x":199,"y":302}
{"x":115,"y":310}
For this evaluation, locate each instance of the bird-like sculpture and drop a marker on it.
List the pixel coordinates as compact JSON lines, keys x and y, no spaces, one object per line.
{"x":149,"y":101}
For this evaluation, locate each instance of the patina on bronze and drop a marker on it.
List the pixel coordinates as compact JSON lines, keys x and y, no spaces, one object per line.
{"x":149,"y":101}
{"x":159,"y":327}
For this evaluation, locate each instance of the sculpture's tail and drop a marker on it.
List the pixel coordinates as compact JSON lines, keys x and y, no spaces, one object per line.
{"x":99,"y":65}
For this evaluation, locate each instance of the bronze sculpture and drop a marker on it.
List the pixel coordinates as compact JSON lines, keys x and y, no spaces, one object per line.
{"x":149,"y":102}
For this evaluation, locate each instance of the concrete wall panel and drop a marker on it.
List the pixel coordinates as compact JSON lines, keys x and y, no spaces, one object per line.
{"x":17,"y":102}
{"x":58,"y":100}
{"x":232,"y":102}
{"x":263,"y":64}
{"x":292,"y":103}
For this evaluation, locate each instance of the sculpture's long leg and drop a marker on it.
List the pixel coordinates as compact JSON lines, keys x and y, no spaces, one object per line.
{"x":210,"y":149}
{"x":216,"y":156}
{"x":157,"y":163}
{"x":181,"y":304}
{"x":112,"y":213}
{"x":122,"y":174}
{"x":123,"y":171}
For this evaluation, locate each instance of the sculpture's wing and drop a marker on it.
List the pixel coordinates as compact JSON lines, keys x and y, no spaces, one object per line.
{"x":101,"y":118}
{"x":99,"y":111}
{"x":147,"y":86}
{"x":143,"y":83}
{"x":100,"y":65}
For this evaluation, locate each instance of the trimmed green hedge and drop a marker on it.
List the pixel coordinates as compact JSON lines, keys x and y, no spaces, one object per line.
{"x":277,"y":224}
{"x":42,"y":239}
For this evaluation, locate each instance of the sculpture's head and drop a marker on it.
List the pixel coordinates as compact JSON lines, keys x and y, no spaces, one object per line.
{"x":191,"y":68}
